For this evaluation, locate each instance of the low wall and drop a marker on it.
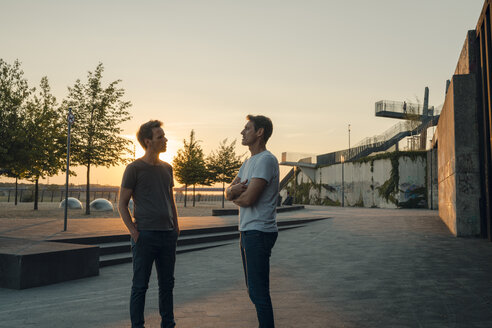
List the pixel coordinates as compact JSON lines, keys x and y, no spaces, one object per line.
{"x":388,"y":180}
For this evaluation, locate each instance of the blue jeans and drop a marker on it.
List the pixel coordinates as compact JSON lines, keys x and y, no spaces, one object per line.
{"x":158,"y":246}
{"x":256,"y":248}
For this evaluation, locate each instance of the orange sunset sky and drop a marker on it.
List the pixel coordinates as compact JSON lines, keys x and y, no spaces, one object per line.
{"x":312,"y":66}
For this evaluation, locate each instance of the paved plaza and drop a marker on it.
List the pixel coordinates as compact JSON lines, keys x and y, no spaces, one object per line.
{"x":359,"y":268}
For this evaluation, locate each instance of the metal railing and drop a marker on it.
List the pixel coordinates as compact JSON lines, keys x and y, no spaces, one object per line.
{"x":398,"y":107}
{"x":385,"y":136}
{"x":377,"y":143}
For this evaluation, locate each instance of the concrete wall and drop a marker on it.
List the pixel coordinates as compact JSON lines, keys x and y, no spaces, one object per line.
{"x":458,"y":147}
{"x":432,"y":180}
{"x":412,"y":184}
{"x":361,"y":182}
{"x":458,"y":159}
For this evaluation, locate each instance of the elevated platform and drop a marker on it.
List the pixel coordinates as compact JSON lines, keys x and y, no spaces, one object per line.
{"x":401,"y":110}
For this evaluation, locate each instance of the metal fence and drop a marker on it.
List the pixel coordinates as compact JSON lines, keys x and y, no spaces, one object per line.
{"x":26,"y":194}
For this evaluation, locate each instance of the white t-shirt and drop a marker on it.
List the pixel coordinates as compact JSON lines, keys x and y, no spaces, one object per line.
{"x":262,"y":215}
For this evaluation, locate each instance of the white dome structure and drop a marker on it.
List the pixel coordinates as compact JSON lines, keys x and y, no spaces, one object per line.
{"x":101,"y":204}
{"x":73,"y":203}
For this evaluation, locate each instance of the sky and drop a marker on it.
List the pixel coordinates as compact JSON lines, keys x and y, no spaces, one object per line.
{"x":312,"y":66}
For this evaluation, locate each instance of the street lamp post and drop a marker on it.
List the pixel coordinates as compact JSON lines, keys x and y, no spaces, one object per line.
{"x":294,"y":200}
{"x":431,"y":182}
{"x":70,"y":120}
{"x":343,"y":184}
{"x":350,"y":153}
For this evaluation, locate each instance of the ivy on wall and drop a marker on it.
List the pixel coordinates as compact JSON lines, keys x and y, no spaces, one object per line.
{"x":359,"y":203}
{"x":413,"y":155}
{"x":301,"y":192}
{"x":327,"y":201}
{"x":389,"y":190}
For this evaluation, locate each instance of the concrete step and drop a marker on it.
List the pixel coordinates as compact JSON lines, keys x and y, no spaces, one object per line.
{"x":114,"y":259}
{"x":99,"y":240}
{"x":114,"y":248}
{"x":126,"y":257}
{"x":120,"y":252}
{"x":235,"y":211}
{"x":125,"y":246}
{"x":95,"y":240}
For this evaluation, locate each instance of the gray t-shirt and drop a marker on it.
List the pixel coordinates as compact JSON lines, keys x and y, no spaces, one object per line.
{"x":151,"y":185}
{"x":262,"y":215}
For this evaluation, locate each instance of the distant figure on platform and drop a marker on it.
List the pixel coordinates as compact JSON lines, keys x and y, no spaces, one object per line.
{"x":288,"y":200}
{"x":154,"y":230}
{"x":404,"y":107}
{"x":255,"y":191}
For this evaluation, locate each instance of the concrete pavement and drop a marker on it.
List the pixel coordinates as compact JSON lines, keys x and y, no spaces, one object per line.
{"x":361,"y":268}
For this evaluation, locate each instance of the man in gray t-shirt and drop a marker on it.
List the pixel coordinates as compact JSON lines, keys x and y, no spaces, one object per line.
{"x":151,"y":187}
{"x":255,"y":191}
{"x":154,"y":230}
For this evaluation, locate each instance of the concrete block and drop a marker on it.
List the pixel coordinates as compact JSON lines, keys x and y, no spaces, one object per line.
{"x":467,"y":62}
{"x":28,"y":263}
{"x":458,"y":158}
{"x":467,"y":161}
{"x":467,"y":185}
{"x":468,"y":216}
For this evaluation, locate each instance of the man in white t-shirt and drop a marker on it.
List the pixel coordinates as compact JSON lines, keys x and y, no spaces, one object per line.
{"x":255,"y":191}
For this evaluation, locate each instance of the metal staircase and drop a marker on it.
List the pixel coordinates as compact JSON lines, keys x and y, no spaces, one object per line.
{"x":378,"y":143}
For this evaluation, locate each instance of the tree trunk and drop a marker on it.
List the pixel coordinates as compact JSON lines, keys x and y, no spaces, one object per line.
{"x":223,"y":193}
{"x":186,"y":194}
{"x":87,"y":192}
{"x":36,"y":194}
{"x":193,"y":195}
{"x":15,"y":202}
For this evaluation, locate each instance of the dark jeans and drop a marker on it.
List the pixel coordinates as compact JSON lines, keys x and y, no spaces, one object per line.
{"x":256,"y":248}
{"x":158,"y":246}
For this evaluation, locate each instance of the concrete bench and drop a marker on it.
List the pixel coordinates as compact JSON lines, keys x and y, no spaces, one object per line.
{"x":30,"y":263}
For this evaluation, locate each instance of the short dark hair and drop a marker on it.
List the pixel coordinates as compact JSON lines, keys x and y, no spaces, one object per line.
{"x":260,"y":121}
{"x":145,"y":131}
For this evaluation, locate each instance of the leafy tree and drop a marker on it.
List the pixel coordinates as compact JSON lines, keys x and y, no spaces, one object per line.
{"x":45,"y":130}
{"x":99,"y":112}
{"x":189,"y":165}
{"x":223,"y":164}
{"x":14,"y":145}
